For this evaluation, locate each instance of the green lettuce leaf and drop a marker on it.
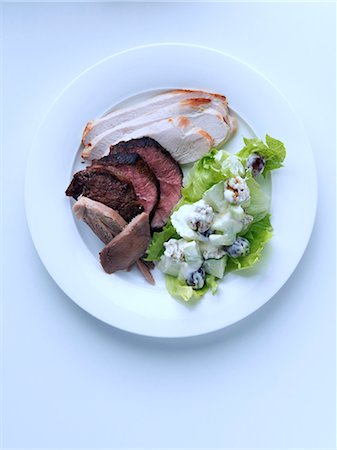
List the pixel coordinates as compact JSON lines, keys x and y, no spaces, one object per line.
{"x":273,"y":151}
{"x":204,"y":173}
{"x":156,"y":247}
{"x":179,"y":289}
{"x":259,"y":201}
{"x":258,"y":234}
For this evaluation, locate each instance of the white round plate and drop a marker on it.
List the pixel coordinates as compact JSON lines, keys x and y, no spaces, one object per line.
{"x":70,"y":252}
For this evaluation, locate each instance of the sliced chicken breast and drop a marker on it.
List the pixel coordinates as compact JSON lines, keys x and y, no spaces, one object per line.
{"x":117,"y":133}
{"x":178,"y":136}
{"x":205,"y":117}
{"x":148,"y":106}
{"x":207,"y":111}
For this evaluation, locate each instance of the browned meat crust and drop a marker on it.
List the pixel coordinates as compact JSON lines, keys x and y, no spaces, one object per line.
{"x":165,"y":168}
{"x":132,"y":166}
{"x":101,"y":185}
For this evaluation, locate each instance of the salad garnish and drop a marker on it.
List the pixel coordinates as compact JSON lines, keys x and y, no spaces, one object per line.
{"x":222,"y":222}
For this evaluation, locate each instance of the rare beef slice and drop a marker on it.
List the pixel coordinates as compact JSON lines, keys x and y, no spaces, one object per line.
{"x":100,"y":184}
{"x":166,"y":170}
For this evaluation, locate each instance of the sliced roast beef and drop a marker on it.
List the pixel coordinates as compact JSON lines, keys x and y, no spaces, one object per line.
{"x":101,"y":184}
{"x":128,"y":246}
{"x":132,"y":167}
{"x":106,"y":224}
{"x":165,"y":168}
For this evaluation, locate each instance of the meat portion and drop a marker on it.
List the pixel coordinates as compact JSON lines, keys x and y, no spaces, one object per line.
{"x":160,"y":117}
{"x":104,"y":221}
{"x":113,"y":134}
{"x":145,"y":269}
{"x":184,"y":141}
{"x":164,"y":167}
{"x":200,"y":112}
{"x":100,"y":184}
{"x":132,"y":167}
{"x":181,"y":138}
{"x":128,"y":246}
{"x":151,"y":105}
{"x":106,"y":224}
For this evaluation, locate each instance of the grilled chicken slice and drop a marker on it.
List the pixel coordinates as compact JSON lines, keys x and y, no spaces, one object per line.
{"x":116,"y":132}
{"x":148,"y":106}
{"x":208,"y":119}
{"x":128,"y":246}
{"x":106,"y":224}
{"x":177,"y":135}
{"x":208,"y":112}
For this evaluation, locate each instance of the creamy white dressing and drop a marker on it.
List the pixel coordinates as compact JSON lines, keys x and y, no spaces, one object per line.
{"x":186,"y":218}
{"x":210,"y":251}
{"x":208,"y":226}
{"x":181,"y":258}
{"x":228,"y":225}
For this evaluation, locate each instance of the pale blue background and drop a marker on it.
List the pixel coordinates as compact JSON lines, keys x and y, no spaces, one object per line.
{"x":71,"y":381}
